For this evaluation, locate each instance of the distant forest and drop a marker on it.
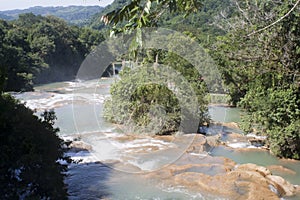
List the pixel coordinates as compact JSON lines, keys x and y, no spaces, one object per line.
{"x":75,"y":15}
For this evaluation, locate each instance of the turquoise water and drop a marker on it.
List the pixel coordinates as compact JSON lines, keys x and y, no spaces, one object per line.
{"x":224,"y":114}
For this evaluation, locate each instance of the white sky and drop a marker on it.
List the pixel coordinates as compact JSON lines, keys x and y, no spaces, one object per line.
{"x":23,"y":4}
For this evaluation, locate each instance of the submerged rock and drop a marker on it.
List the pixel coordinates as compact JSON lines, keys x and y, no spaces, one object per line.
{"x":257,"y":142}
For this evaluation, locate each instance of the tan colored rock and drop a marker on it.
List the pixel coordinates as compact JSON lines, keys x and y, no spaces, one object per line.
{"x":199,"y":144}
{"x":126,"y":138}
{"x":233,"y":125}
{"x":200,"y":172}
{"x":252,"y":167}
{"x":284,"y":188}
{"x":143,"y":149}
{"x":251,"y":149}
{"x":236,"y":136}
{"x":252,"y":183}
{"x":218,"y":176}
{"x":166,"y":138}
{"x":213,"y":140}
{"x":233,"y":185}
{"x":297,"y":189}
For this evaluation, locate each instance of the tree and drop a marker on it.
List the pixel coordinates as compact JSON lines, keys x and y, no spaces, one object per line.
{"x":36,"y":49}
{"x":138,"y":14}
{"x":261,"y":69}
{"x":134,"y":16}
{"x":258,"y":58}
{"x":163,"y":89}
{"x":16,"y":66}
{"x":159,"y":99}
{"x":29,"y":150}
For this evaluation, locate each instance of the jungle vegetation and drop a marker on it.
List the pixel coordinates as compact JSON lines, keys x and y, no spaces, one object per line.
{"x":256,"y":45}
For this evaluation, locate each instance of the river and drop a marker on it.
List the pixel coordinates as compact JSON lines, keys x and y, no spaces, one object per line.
{"x":112,"y":168}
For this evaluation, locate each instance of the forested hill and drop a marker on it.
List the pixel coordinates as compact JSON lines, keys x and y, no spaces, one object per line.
{"x":77,"y":15}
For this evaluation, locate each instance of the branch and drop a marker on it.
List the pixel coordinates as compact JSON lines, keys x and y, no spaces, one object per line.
{"x":280,"y":19}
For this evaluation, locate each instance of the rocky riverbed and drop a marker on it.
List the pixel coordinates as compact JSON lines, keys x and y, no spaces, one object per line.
{"x":197,"y":171}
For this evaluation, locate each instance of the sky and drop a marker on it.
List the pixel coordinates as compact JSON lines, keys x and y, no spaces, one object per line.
{"x":23,"y":4}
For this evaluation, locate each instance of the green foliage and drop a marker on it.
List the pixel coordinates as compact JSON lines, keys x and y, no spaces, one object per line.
{"x":199,"y":24}
{"x":96,"y":22}
{"x":284,"y":142}
{"x":29,"y":150}
{"x":134,"y":16}
{"x":262,"y":71}
{"x":275,"y":111}
{"x":138,"y":14}
{"x":159,"y":99}
{"x":38,"y":49}
{"x":151,"y":105}
{"x":219,"y":98}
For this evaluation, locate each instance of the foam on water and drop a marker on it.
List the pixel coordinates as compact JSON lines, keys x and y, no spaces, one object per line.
{"x":82,"y":156}
{"x":142,"y":143}
{"x":201,"y":155}
{"x":55,"y":100}
{"x":145,"y":165}
{"x":239,"y":145}
{"x":256,"y":136}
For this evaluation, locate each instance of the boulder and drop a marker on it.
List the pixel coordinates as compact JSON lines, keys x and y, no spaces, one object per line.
{"x":258,"y":142}
{"x":199,"y":144}
{"x":77,"y":146}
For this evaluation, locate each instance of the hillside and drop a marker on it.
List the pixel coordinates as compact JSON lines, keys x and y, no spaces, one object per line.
{"x":77,"y":15}
{"x":200,"y":23}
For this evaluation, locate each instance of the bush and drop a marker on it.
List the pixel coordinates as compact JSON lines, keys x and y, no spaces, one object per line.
{"x":285,"y":142}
